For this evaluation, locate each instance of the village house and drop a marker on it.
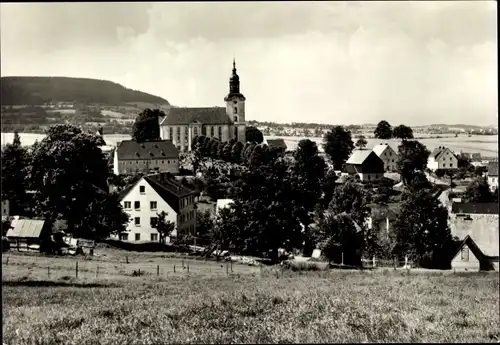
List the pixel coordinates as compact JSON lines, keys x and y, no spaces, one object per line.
{"x":388,"y":156}
{"x":469,"y":257}
{"x":480,"y":222}
{"x":182,"y":125}
{"x":442,"y":158}
{"x":278,"y":144}
{"x":366,"y":165}
{"x":147,"y":198}
{"x":29,"y":234}
{"x":493,"y":174}
{"x":132,"y":157}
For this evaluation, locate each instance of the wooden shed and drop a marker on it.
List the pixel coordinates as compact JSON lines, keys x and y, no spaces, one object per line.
{"x":28,"y":234}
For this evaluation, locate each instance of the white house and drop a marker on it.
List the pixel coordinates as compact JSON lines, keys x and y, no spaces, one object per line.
{"x":149,"y":196}
{"x":222,"y":203}
{"x":442,"y":158}
{"x":387,"y":154}
{"x":493,"y":174}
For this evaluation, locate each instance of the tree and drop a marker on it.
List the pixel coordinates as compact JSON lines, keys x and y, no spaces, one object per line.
{"x":402,"y":132}
{"x":478,"y":191}
{"x":328,"y":187}
{"x":253,"y":134}
{"x":338,"y":145}
{"x":204,"y":226}
{"x":164,"y":226}
{"x":70,"y":176}
{"x":352,"y":199}
{"x":236,"y":150}
{"x":226,"y":151}
{"x":412,"y":158}
{"x":383,"y":130}
{"x":15,"y":168}
{"x":309,"y":169}
{"x":146,"y":126}
{"x":361,"y":143}
{"x":422,"y":229}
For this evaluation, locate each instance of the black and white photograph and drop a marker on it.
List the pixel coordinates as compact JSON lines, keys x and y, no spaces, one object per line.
{"x":249,"y":172}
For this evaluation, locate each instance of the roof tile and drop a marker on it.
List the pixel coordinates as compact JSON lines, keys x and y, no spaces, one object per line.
{"x":158,"y":149}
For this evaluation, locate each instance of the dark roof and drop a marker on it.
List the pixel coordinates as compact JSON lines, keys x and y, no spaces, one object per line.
{"x":276,"y":143}
{"x":184,"y":116}
{"x":123,"y":193}
{"x":472,"y":246}
{"x":26,"y":228}
{"x":158,"y":149}
{"x":493,"y":168}
{"x":438,"y":151}
{"x":474,"y":208}
{"x":169,"y":189}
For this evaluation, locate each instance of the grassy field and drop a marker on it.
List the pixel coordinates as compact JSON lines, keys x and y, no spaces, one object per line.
{"x":247,"y":306}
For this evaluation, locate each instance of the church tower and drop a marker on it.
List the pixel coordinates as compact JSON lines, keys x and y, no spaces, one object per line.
{"x":235,"y":107}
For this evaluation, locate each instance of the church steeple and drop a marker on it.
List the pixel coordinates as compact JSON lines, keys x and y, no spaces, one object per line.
{"x":234,"y":81}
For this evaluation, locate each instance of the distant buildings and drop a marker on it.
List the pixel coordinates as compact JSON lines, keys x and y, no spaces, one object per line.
{"x":366,"y":165}
{"x":132,"y":157}
{"x":181,"y":125}
{"x":388,"y":156}
{"x":442,"y":158}
{"x":147,"y":198}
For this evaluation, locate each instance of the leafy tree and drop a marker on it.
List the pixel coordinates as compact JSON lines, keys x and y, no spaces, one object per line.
{"x":352,"y":199}
{"x":220,"y":150}
{"x":402,"y":132}
{"x":204,"y":226}
{"x":328,"y":187}
{"x":15,"y":161}
{"x":361,"y":143}
{"x":418,"y":181}
{"x":226,"y":151}
{"x":164,"y":226}
{"x":69,"y":174}
{"x":253,"y":134}
{"x":245,"y":155}
{"x":383,"y":130}
{"x":236,"y":150}
{"x":338,"y":144}
{"x":146,"y":126}
{"x":412,"y":158}
{"x":478,"y":191}
{"x":422,"y":228}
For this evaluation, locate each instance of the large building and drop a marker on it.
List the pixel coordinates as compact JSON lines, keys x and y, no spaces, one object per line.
{"x":147,"y":198}
{"x":388,"y":156}
{"x":366,"y":165}
{"x":181,"y":125}
{"x":132,"y":157}
{"x":442,"y":158}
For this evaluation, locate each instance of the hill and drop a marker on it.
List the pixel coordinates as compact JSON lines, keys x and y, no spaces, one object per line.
{"x":40,"y":90}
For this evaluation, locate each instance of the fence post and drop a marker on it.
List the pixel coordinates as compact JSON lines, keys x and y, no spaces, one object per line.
{"x":76,"y":269}
{"x":157,"y":270}
{"x":48,"y":271}
{"x":342,"y":258}
{"x":174,"y":268}
{"x":97,"y":272}
{"x":188,"y":267}
{"x":231,"y":266}
{"x":374,"y":261}
{"x":139,"y":272}
{"x":126,"y":259}
{"x":394,"y":262}
{"x":7,"y":262}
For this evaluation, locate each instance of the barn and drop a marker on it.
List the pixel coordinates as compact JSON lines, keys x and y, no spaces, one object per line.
{"x":28,"y":234}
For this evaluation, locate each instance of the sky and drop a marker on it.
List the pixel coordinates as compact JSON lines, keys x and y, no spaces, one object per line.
{"x":412,"y":63}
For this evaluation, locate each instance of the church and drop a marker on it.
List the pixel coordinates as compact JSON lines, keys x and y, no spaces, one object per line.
{"x":181,"y":125}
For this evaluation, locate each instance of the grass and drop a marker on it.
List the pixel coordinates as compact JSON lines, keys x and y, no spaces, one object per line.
{"x":273,"y":307}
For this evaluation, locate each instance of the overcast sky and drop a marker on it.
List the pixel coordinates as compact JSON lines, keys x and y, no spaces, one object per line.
{"x":328,"y":62}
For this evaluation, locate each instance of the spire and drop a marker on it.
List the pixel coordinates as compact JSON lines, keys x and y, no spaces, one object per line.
{"x":234,"y":81}
{"x":234,"y":66}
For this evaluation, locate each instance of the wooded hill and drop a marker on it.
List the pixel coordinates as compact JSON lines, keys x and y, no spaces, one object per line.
{"x":41,"y":90}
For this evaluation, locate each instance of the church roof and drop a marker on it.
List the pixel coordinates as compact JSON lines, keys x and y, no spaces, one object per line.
{"x":158,"y":149}
{"x":184,"y":116}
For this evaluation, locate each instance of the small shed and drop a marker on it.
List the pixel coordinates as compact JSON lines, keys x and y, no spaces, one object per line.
{"x":469,"y":257}
{"x":28,"y":234}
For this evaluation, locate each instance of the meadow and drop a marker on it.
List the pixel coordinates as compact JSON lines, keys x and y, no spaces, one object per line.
{"x":249,"y":305}
{"x":487,"y":145}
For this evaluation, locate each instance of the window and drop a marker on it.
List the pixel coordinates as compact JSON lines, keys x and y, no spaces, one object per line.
{"x":236,"y":110}
{"x":127,"y":205}
{"x":195,"y":131}
{"x":171,"y":133}
{"x":154,"y":237}
{"x":235,"y":118}
{"x":236,"y":133}
{"x":220,"y":132}
{"x":137,"y":221}
{"x":212,"y":131}
{"x":465,"y":254}
{"x":137,"y":205}
{"x":153,"y":205}
{"x":451,"y":165}
{"x":153,"y":222}
{"x":142,"y":189}
{"x":137,"y":237}
{"x":123,"y":237}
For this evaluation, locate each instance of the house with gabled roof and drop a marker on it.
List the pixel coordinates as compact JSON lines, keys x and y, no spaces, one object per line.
{"x":147,"y":198}
{"x":132,"y":157}
{"x":182,"y":125}
{"x":442,"y":158}
{"x":366,"y":165}
{"x":388,"y":156}
{"x":468,"y":257}
{"x":493,"y":174}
